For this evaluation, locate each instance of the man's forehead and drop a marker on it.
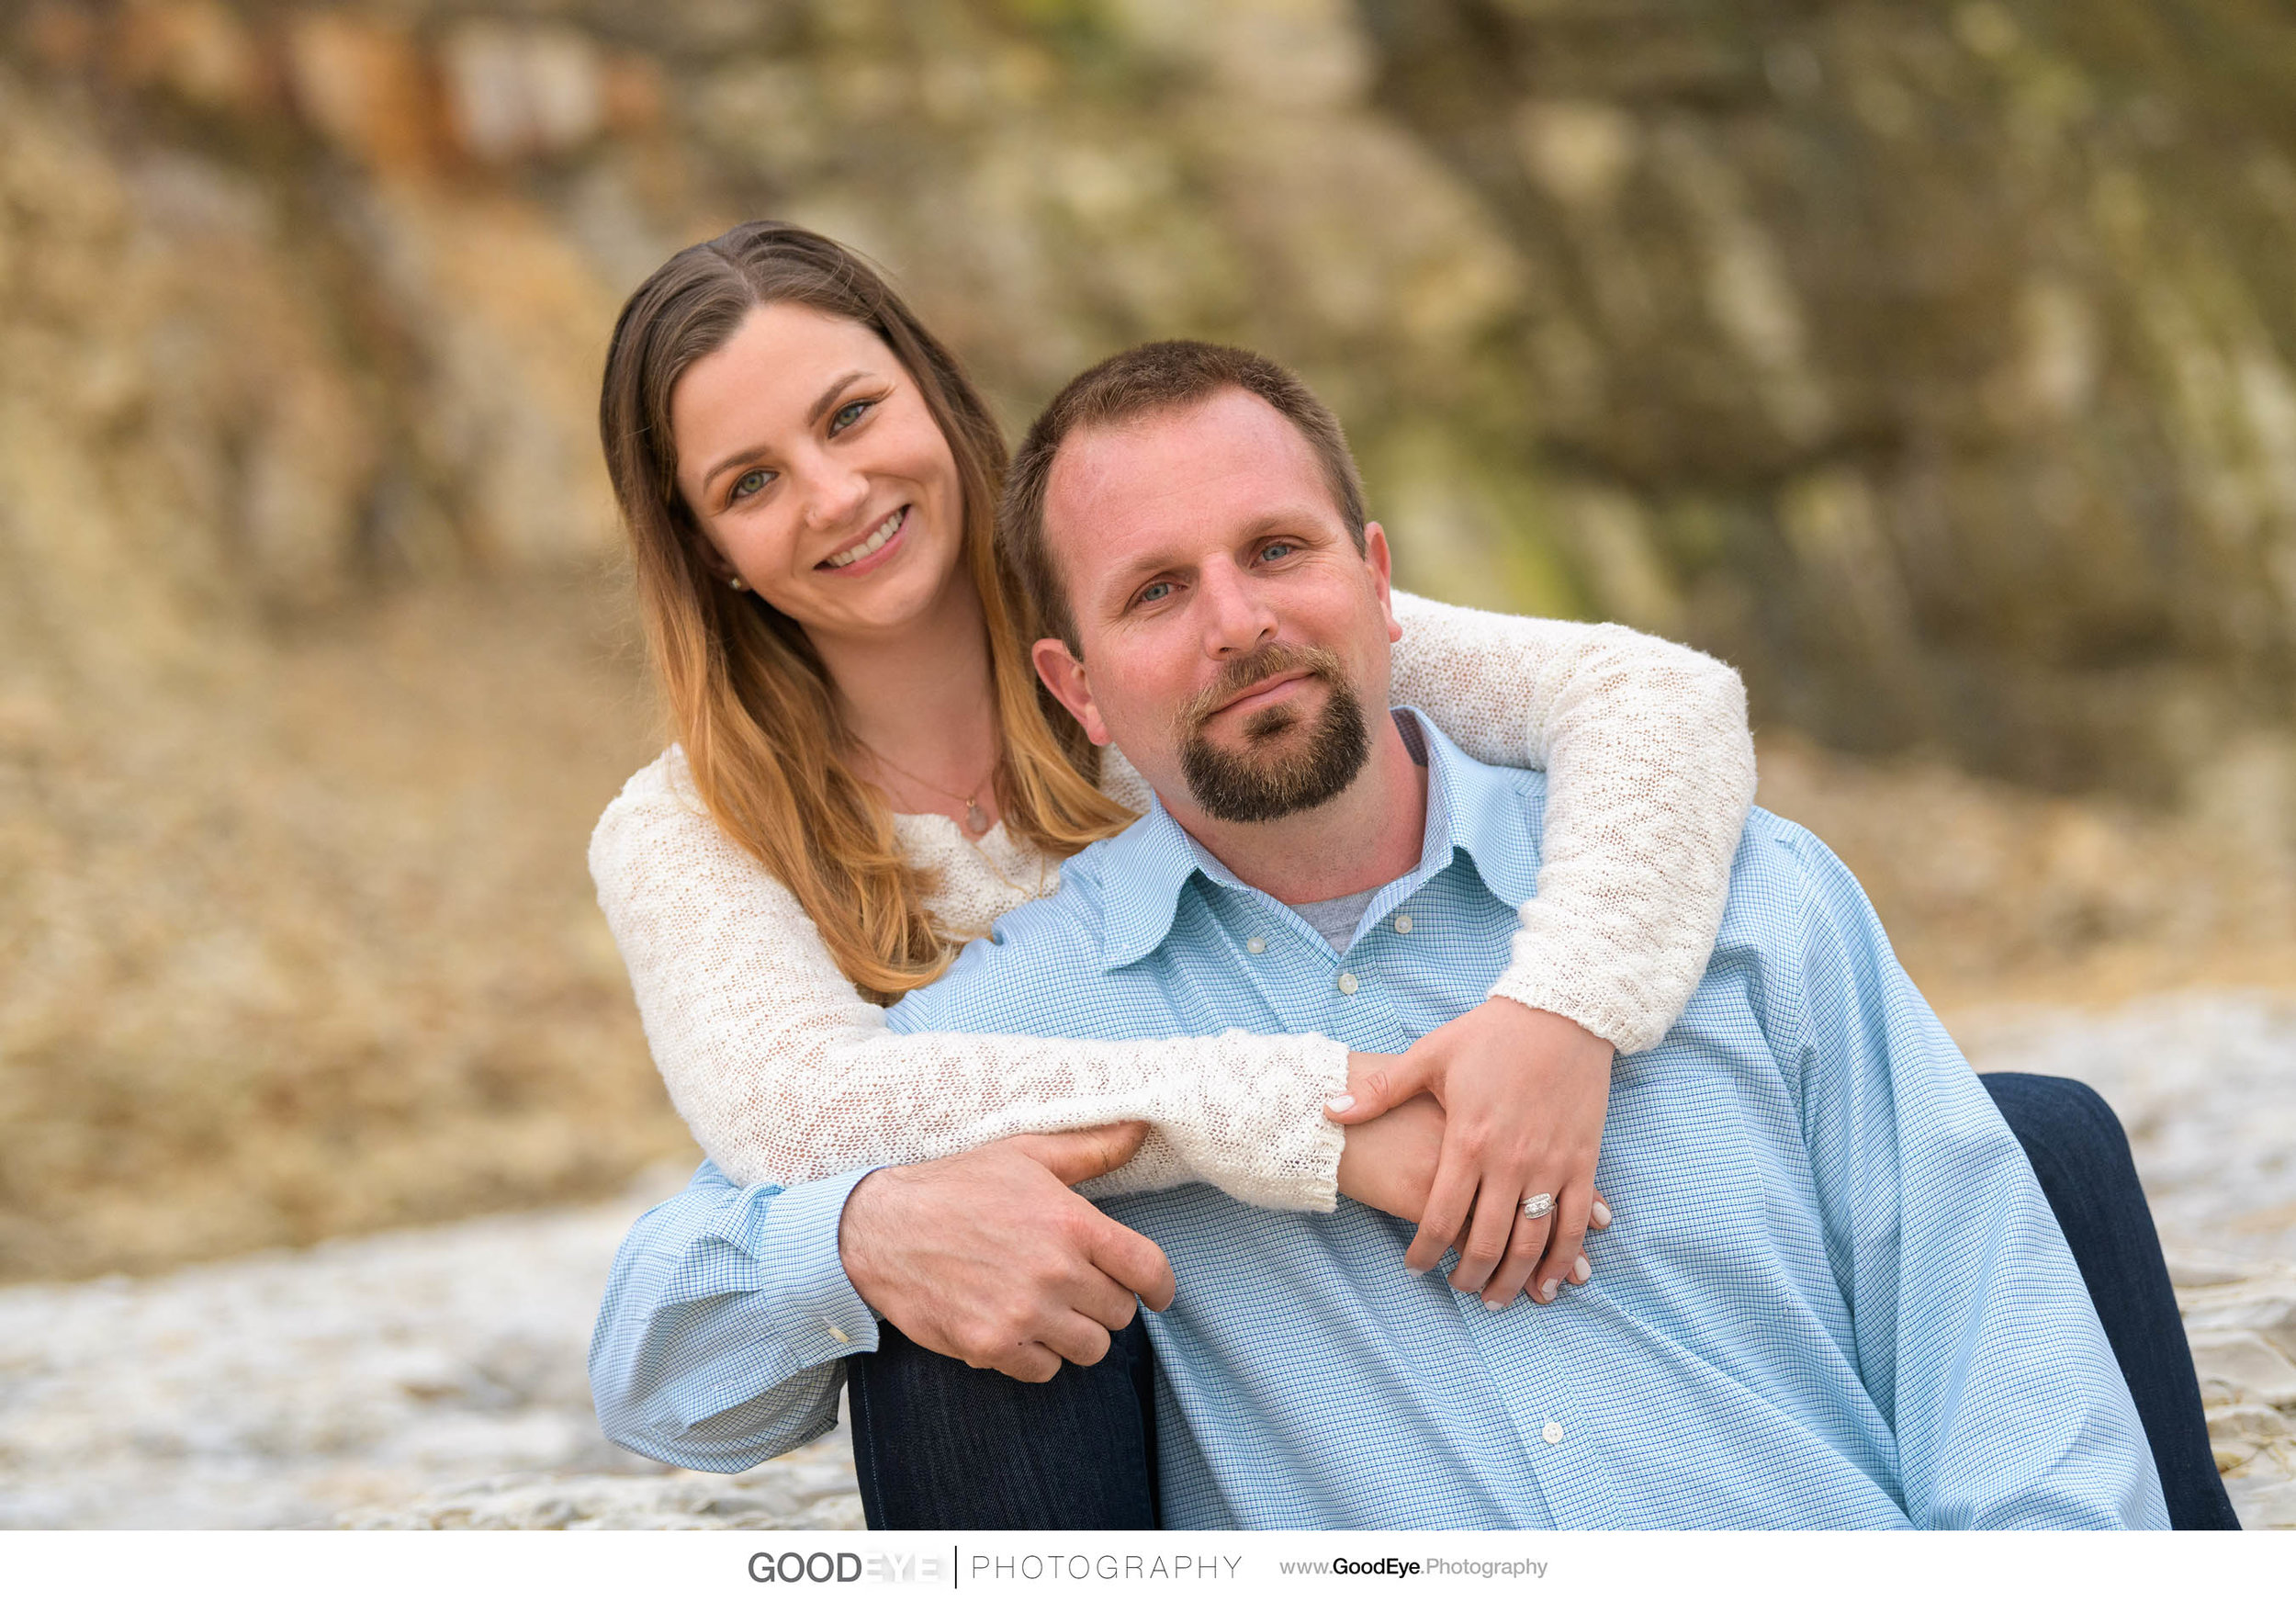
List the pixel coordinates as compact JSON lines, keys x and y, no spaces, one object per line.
{"x":1231,"y":453}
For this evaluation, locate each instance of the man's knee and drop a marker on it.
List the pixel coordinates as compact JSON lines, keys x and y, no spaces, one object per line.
{"x":2064,"y":1126}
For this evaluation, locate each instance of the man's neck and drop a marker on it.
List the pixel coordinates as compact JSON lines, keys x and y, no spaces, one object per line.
{"x":1370,"y":834}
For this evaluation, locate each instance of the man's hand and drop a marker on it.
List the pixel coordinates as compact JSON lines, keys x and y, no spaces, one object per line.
{"x":1524,"y":1095}
{"x":989,"y":1258}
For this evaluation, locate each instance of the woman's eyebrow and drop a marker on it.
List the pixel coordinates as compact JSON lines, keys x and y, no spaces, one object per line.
{"x":747,"y":454}
{"x":837,"y":387}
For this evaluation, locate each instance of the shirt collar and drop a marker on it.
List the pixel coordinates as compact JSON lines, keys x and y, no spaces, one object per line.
{"x":1471,"y":808}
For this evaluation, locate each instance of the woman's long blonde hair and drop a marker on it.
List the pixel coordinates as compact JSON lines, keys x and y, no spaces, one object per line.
{"x":748,"y":696}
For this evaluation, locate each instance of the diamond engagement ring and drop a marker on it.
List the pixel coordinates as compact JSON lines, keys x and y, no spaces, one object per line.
{"x":1538,"y":1206}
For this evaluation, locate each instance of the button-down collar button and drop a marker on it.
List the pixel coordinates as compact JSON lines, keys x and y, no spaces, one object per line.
{"x":1552,"y":1434}
{"x":839,"y":1336}
{"x":1255,"y":945}
{"x":1403,"y":924}
{"x":1347,"y":984}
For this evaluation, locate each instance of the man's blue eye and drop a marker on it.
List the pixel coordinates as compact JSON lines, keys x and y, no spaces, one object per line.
{"x":848,"y":414}
{"x":1276,"y":549}
{"x":1154,"y":592}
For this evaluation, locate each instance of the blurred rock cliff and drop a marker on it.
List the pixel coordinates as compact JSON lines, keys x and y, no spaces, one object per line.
{"x":1935,"y":363}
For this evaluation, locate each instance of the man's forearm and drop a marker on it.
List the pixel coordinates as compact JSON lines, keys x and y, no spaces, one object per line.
{"x":723,"y":1322}
{"x":988,"y":1257}
{"x":728,"y":1309}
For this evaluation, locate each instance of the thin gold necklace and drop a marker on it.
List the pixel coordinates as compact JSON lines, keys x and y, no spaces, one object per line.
{"x":975,"y":819}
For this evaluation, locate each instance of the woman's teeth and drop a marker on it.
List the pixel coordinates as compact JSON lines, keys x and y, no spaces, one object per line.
{"x":882,"y":533}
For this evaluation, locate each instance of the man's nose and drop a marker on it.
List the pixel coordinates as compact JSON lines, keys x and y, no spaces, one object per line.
{"x":1237,"y":618}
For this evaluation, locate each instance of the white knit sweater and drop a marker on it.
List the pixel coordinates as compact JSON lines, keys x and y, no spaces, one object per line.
{"x":786,"y":1075}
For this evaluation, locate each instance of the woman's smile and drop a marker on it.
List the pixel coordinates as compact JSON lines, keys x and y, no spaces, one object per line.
{"x":883,"y":544}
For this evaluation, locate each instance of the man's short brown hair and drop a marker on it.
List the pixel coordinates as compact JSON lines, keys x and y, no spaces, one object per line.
{"x":1163,"y":376}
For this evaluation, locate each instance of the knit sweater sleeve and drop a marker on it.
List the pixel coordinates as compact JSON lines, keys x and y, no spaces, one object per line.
{"x":785,"y":1073}
{"x":1650,"y":771}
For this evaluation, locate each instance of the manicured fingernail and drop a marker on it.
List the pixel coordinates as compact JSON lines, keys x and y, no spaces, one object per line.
{"x":1581,"y":1270}
{"x":1339,"y":1104}
{"x":1547,"y":1291}
{"x":1495,"y":1306}
{"x":1601,"y":1214}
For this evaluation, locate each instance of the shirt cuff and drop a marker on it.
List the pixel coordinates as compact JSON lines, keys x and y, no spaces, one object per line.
{"x":826,"y":1318}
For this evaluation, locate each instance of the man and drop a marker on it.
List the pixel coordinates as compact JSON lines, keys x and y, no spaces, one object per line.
{"x":1833,"y":1294}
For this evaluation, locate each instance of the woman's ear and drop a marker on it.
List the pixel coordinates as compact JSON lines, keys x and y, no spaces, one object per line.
{"x":715,"y":564}
{"x":1064,"y":676}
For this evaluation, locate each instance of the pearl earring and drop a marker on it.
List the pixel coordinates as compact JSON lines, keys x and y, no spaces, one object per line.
{"x":735,"y":582}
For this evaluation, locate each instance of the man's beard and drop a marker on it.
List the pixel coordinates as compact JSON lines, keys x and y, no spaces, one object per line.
{"x":1256,"y":784}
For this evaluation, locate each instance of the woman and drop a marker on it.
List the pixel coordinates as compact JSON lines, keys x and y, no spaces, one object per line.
{"x":867,"y":773}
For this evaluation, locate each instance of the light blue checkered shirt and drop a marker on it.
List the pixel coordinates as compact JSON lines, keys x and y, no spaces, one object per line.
{"x":1833,"y":1294}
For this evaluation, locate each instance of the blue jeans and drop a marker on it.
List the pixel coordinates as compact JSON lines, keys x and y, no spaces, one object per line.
{"x":2081,"y":1158}
{"x":940,"y":1445}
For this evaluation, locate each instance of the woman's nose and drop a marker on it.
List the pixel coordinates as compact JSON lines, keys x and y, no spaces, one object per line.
{"x":833,"y":494}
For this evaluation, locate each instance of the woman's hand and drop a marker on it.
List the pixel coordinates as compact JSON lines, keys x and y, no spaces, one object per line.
{"x":1524,"y":1094}
{"x":1390,"y":1162}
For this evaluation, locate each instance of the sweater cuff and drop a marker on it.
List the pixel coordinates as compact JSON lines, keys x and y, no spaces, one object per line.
{"x":1291,"y":1162}
{"x":1314,"y":1186}
{"x":1550,"y":973}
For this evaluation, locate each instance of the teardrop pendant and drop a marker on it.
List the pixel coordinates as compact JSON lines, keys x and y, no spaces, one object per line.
{"x":975,"y":820}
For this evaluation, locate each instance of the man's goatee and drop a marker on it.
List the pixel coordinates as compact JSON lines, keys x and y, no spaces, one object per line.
{"x":1256,"y":784}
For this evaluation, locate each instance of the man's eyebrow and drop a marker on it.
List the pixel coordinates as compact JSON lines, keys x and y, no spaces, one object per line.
{"x":814,"y":415}
{"x":1121,"y":582}
{"x":1289,"y":519}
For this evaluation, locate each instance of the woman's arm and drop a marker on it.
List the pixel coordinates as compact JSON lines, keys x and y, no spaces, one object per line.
{"x":785,"y":1075}
{"x":1651,"y":772}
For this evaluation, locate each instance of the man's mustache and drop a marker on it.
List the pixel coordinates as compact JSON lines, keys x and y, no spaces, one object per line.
{"x":1241,"y":674}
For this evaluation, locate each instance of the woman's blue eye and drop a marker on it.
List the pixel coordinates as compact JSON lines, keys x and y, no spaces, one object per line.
{"x":750,"y":484}
{"x":848,"y":414}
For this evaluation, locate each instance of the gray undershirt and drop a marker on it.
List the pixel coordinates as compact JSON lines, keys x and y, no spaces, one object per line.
{"x":1336,"y":920}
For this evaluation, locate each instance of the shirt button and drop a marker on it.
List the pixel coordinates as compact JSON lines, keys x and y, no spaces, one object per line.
{"x":839,"y":1337}
{"x":1403,"y":924}
{"x":1255,"y":945}
{"x":1347,"y":984}
{"x":1552,"y":1434}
